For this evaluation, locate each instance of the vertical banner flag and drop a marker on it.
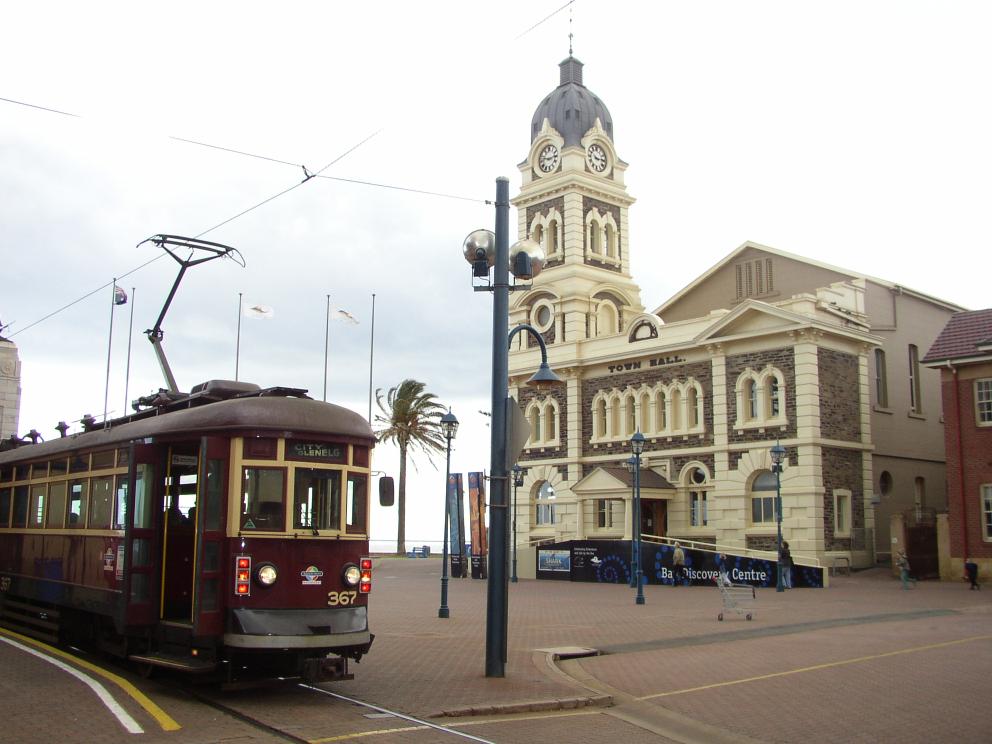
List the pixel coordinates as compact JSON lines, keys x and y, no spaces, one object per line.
{"x":456,"y":537}
{"x":477,"y":520}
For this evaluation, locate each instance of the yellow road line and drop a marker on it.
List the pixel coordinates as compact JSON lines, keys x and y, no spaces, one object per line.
{"x":817,"y":667}
{"x":160,"y":716}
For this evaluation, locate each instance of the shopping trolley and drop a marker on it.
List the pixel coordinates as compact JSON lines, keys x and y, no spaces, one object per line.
{"x":737,"y":597}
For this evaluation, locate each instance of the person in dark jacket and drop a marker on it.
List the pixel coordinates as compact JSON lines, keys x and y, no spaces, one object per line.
{"x":971,"y":573}
{"x":785,"y":565}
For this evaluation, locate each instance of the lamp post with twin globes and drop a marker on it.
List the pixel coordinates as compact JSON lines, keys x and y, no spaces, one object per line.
{"x":487,"y":251}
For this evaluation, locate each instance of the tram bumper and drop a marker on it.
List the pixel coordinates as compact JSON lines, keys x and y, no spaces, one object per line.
{"x":344,"y":631}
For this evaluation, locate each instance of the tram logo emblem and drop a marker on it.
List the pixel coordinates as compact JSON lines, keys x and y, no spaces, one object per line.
{"x":311,"y":576}
{"x":108,"y":560}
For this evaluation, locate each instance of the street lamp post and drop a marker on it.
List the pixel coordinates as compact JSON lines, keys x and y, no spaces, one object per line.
{"x":518,"y":480}
{"x":449,"y":426}
{"x":637,"y":447}
{"x":778,"y":457}
{"x":487,"y":251}
{"x":631,"y":463}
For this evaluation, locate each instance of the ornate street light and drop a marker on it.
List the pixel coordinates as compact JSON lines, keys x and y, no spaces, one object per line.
{"x":631,"y":465}
{"x":518,"y":480}
{"x":637,"y":447}
{"x":778,"y":457}
{"x":487,"y":251}
{"x":449,"y":427}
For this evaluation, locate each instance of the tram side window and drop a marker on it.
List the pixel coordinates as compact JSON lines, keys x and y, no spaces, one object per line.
{"x":77,"y":503}
{"x":357,"y":501}
{"x":56,"y":506}
{"x":36,"y":512}
{"x":20,"y":516}
{"x":317,"y":502}
{"x":59,"y":467}
{"x":143,"y":480}
{"x":5,"y":507}
{"x":101,"y":502}
{"x":120,"y":509}
{"x":263,"y":500}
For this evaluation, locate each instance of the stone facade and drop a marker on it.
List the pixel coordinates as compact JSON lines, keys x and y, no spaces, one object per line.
{"x":10,"y":388}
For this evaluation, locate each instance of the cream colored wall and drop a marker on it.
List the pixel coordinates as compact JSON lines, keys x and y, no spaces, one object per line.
{"x":10,"y":388}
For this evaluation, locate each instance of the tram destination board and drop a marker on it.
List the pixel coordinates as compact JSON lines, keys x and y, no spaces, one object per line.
{"x":297,"y":449}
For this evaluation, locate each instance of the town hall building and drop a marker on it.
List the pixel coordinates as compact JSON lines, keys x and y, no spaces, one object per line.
{"x":766,"y":347}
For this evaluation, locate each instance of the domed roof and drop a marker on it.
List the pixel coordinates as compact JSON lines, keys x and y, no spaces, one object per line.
{"x":571,"y":108}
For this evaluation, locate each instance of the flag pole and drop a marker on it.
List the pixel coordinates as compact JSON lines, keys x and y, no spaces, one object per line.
{"x":237,"y":344}
{"x":110,"y":338}
{"x":127,"y":373}
{"x":327,"y":336}
{"x":371,"y":353}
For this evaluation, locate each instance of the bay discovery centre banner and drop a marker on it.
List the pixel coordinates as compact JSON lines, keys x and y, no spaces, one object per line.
{"x":609,"y":562}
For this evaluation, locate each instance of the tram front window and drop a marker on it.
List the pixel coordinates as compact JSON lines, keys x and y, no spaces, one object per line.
{"x":317,"y":502}
{"x":262,"y":499}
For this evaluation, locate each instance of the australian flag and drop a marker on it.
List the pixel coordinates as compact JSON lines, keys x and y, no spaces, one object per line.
{"x":120,"y":296}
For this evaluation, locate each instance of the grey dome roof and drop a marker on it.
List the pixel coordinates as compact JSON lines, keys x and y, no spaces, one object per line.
{"x":571,"y":108}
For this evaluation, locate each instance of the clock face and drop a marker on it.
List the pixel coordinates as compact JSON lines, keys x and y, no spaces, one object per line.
{"x":548,"y":158}
{"x":596,"y":157}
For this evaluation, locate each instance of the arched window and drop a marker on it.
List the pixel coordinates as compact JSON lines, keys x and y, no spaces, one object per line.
{"x":606,"y":319}
{"x":660,"y":408}
{"x":550,"y":423}
{"x":538,"y":235}
{"x":646,"y":412}
{"x":631,"y":418}
{"x":544,"y":507}
{"x":763,"y":498}
{"x":535,"y":424}
{"x":697,"y":485}
{"x":692,"y":407}
{"x":750,"y":400}
{"x":772,"y":397}
{"x":614,"y":430}
{"x":552,"y":237}
{"x":595,"y":237}
{"x":675,"y":420}
{"x":611,"y":241}
{"x":599,"y":419}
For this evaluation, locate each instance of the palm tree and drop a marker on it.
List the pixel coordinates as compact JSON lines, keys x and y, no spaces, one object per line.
{"x":410,"y":420}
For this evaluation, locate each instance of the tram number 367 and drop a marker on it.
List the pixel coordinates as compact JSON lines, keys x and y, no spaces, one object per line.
{"x":335,"y":599}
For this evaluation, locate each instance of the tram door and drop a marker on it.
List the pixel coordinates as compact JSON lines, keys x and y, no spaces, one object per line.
{"x":179,"y":531}
{"x":210,"y":522}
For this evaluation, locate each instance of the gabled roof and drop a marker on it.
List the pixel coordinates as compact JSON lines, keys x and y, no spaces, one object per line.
{"x":749,"y":245}
{"x":615,"y":479}
{"x":966,"y":336}
{"x":752,"y":316}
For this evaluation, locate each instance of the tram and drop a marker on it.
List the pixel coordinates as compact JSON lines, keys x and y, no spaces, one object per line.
{"x":221,"y":531}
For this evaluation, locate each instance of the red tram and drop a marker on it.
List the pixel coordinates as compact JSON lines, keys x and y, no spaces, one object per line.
{"x":221,"y":531}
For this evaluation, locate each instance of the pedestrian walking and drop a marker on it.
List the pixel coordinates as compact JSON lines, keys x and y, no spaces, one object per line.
{"x":785,"y":565}
{"x":678,"y":565}
{"x":971,"y":573}
{"x":902,"y":563}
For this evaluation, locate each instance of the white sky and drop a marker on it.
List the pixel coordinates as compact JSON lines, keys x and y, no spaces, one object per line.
{"x":854,"y":133}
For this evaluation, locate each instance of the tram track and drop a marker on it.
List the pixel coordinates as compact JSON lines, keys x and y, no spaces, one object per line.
{"x":258,"y":722}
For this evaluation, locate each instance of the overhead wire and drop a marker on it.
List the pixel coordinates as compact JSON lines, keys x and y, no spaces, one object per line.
{"x":307,"y":177}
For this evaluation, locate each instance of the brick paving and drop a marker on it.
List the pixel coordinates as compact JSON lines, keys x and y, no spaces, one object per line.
{"x":860,"y":661}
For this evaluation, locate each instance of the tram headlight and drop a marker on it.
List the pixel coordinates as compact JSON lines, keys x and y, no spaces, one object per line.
{"x":351,"y":574}
{"x":266,"y":574}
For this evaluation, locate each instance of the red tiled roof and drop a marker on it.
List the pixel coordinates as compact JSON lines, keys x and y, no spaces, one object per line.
{"x":962,"y":336}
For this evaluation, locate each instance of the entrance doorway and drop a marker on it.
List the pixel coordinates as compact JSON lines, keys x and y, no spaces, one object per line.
{"x":179,"y":532}
{"x":654,"y":517}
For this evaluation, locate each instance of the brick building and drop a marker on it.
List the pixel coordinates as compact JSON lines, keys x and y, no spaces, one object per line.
{"x":963,"y":354}
{"x":764,"y":347}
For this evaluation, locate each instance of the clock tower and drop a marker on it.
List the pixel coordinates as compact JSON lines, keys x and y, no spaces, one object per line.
{"x":573,"y":202}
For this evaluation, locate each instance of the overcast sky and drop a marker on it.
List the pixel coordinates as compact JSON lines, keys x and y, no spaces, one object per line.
{"x":854,"y":133}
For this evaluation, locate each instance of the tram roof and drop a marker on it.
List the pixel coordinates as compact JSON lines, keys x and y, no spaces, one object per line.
{"x":286,"y":416}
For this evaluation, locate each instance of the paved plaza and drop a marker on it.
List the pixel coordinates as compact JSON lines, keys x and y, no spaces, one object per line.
{"x":860,"y":661}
